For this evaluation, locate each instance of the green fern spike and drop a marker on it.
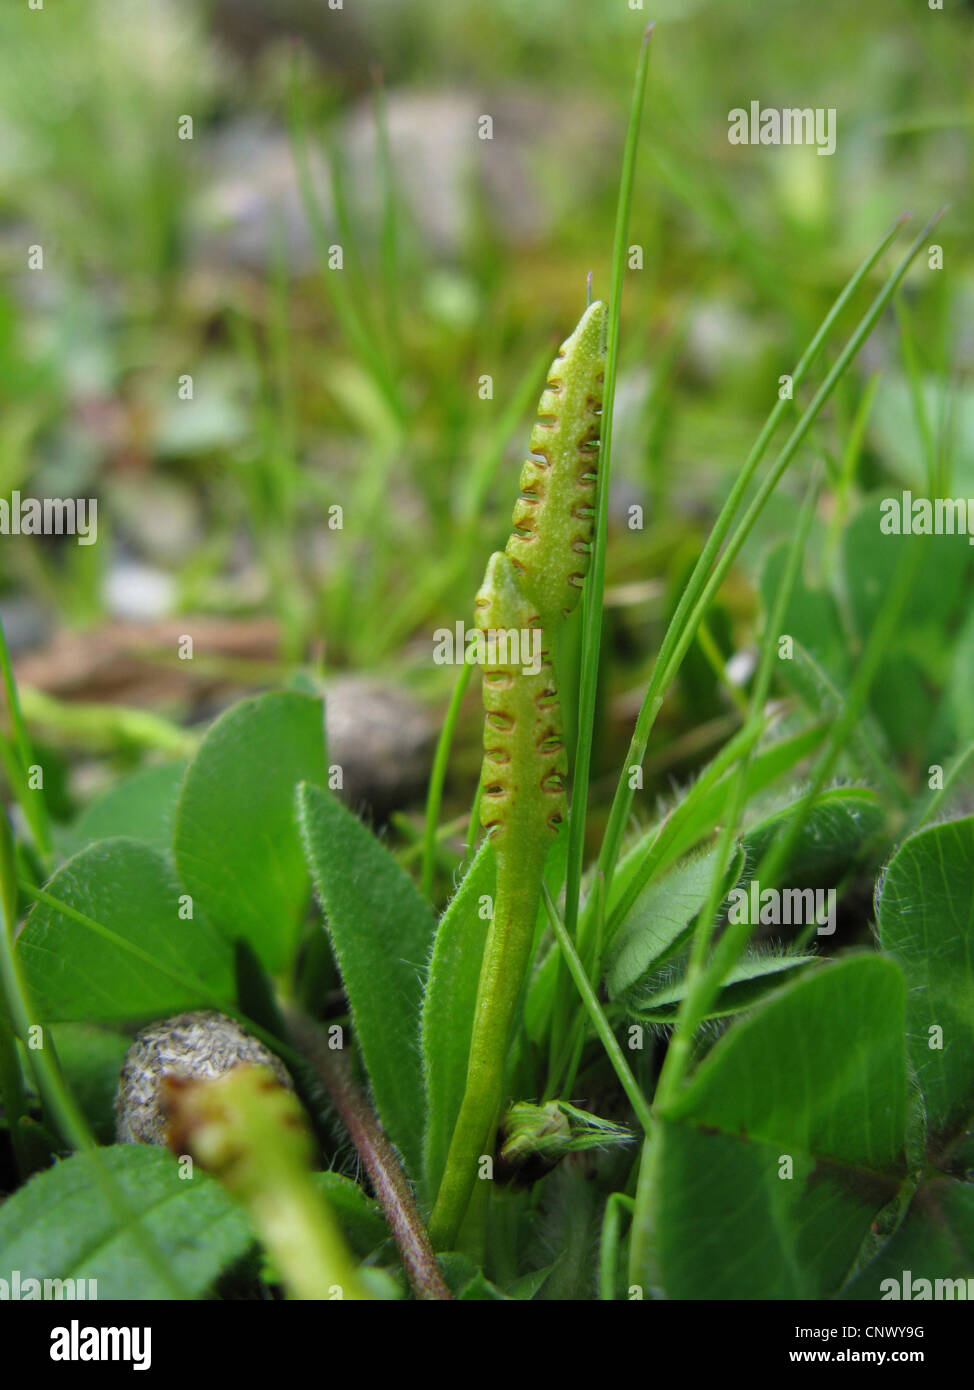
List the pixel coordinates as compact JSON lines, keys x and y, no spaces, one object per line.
{"x":523,"y":802}
{"x":524,"y":768}
{"x":553,"y":519}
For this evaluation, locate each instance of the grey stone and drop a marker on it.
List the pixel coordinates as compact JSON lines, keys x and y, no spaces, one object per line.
{"x":201,"y":1044}
{"x":382,"y":740}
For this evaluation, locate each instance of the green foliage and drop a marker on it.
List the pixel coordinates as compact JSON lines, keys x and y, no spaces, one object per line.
{"x":925,"y":916}
{"x":806,"y":1101}
{"x":448,"y":1007}
{"x":108,"y":942}
{"x":935,"y":1242}
{"x":62,"y":1225}
{"x":742,"y":988}
{"x":382,"y":931}
{"x":732,"y":1219}
{"x":141,"y":807}
{"x":236,"y":843}
{"x":660,"y":921}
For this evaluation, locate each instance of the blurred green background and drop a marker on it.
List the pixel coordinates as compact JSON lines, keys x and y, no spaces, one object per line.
{"x":462,"y":258}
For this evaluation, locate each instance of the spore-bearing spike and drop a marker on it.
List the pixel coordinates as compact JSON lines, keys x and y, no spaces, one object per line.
{"x":553,"y":518}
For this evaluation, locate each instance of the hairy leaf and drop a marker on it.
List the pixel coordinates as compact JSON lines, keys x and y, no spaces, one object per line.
{"x":63,"y":1225}
{"x":448,"y":1006}
{"x":381,"y":929}
{"x":925,"y":914}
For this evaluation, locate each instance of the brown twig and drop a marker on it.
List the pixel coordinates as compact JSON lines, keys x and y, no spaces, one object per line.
{"x":381,"y":1162}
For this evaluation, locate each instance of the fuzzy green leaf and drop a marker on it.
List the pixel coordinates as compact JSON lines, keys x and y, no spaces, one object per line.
{"x":660,"y":921}
{"x":750,"y":979}
{"x":91,"y":1059}
{"x":360,"y":1219}
{"x":838,"y":825}
{"x":62,"y":1225}
{"x":925,"y":914}
{"x":448,"y":1007}
{"x":697,"y":814}
{"x":381,"y":929}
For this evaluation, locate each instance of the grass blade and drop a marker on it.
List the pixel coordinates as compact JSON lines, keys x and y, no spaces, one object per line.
{"x":592,"y":599}
{"x":700,"y":590}
{"x":434,"y":797}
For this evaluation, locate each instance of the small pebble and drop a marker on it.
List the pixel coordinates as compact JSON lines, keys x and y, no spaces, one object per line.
{"x":200,"y":1044}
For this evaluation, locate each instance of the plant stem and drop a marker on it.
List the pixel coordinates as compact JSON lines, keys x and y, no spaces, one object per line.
{"x":507,"y":951}
{"x":434,"y":797}
{"x":20,"y":757}
{"x":594,"y":588}
{"x":13,"y":1096}
{"x":383,"y":1167}
{"x":250,"y":1132}
{"x":106,"y":725}
{"x":592,"y":598}
{"x":616,"y":1203}
{"x":602,"y":1026}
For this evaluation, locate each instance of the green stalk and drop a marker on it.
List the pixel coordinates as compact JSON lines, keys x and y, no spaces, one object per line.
{"x":391,"y":271}
{"x":616,"y":1204}
{"x":594,"y":589}
{"x":847,"y":470}
{"x":434,"y":797}
{"x":13,"y":1096}
{"x":523,"y":802}
{"x":506,"y":956}
{"x":529,"y":590}
{"x":58,"y":1101}
{"x":107,"y":725}
{"x":474,"y":821}
{"x":596,"y":1013}
{"x":19,"y":756}
{"x":250,"y":1131}
{"x":925,"y":810}
{"x":592,"y":603}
